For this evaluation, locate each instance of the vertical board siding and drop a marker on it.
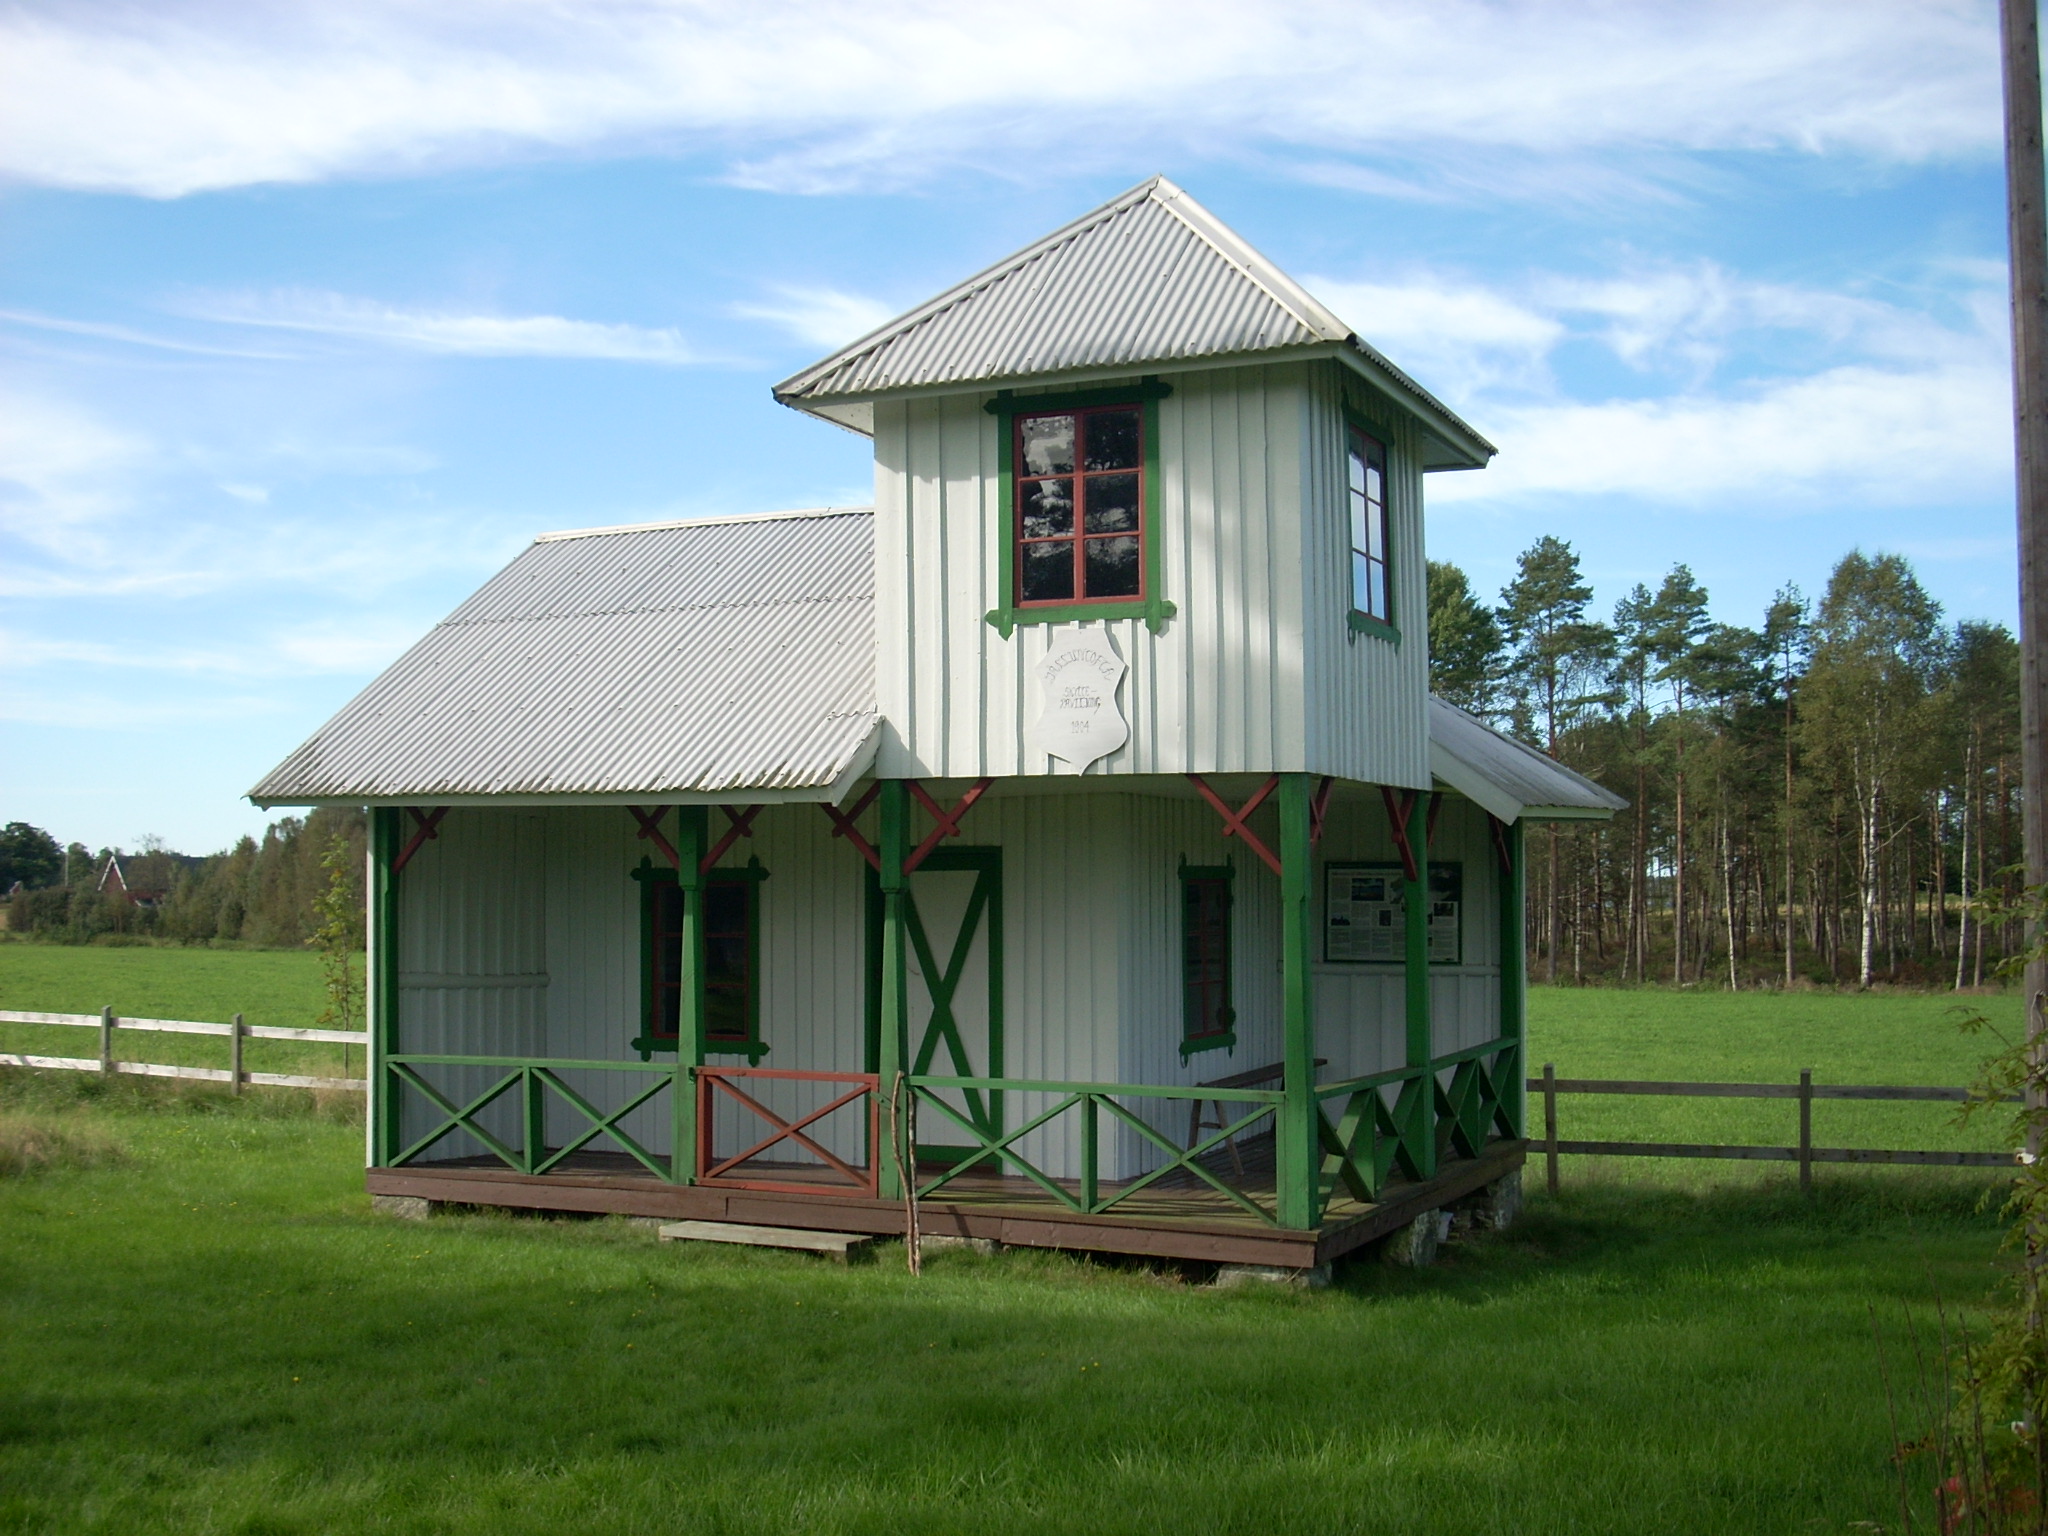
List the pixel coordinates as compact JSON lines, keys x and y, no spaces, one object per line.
{"x":521,"y":935}
{"x":1258,"y":670}
{"x":1370,"y":722}
{"x":1220,"y":689}
{"x":473,"y":964}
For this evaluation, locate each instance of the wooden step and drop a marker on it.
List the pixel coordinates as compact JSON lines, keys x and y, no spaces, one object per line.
{"x":837,"y":1244}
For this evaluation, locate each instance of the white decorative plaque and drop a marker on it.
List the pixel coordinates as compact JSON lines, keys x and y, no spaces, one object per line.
{"x":1078,"y":718}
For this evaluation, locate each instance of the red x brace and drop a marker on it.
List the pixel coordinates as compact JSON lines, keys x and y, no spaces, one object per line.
{"x":1500,"y":844}
{"x":948,"y":825}
{"x":742,"y":826}
{"x":429,"y":822}
{"x":843,"y":824}
{"x":1399,"y":808}
{"x":1234,"y":822}
{"x":650,"y":828}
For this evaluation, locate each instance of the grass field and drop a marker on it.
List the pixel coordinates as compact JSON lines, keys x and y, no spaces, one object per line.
{"x":1766,"y":1037}
{"x":275,"y":987}
{"x":216,"y":1335}
{"x":203,"y":1328}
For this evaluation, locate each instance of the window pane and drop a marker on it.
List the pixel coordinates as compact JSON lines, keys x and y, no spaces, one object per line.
{"x":725,"y":908}
{"x":1112,"y":503}
{"x":725,"y":1012}
{"x":1357,"y":480}
{"x":1361,"y":583}
{"x":1112,"y":440}
{"x":1378,"y":609}
{"x":1048,"y":508}
{"x":1048,"y":571}
{"x":1046,"y":444}
{"x":1376,"y":529}
{"x":1113,"y":567}
{"x":1374,"y":489}
{"x":1358,"y":509}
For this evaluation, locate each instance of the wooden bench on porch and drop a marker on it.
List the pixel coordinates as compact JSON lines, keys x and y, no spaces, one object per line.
{"x":1251,"y":1077}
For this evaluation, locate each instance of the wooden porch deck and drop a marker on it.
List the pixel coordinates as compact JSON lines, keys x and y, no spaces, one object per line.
{"x":1177,"y":1218}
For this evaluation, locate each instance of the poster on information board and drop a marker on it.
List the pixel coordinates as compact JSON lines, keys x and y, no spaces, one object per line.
{"x":1364,"y":920}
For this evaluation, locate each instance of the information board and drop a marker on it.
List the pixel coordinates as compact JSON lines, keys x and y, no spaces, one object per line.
{"x":1364,"y":914}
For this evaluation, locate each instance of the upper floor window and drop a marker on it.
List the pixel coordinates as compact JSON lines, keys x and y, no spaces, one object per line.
{"x":1080,"y":498}
{"x":1366,"y":492}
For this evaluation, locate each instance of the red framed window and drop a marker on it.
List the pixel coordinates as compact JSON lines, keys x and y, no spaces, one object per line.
{"x":1366,"y":492}
{"x":1207,"y":1016}
{"x":1080,"y":530}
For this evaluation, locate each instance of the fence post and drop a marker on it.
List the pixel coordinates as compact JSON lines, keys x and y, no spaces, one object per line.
{"x":1806,"y":1130}
{"x":1550,"y":1126}
{"x":235,"y":1055}
{"x":106,"y":1042}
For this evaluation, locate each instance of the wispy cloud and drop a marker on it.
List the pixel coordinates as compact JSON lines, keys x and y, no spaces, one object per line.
{"x":166,"y":102}
{"x":445,"y":332}
{"x":127,"y":335}
{"x":1743,"y":393}
{"x":823,"y":317}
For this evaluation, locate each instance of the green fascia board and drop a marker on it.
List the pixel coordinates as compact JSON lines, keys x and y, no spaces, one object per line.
{"x":1153,"y":608}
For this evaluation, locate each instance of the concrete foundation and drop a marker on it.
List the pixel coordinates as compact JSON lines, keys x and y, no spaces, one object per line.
{"x":404,"y":1207}
{"x":1313,"y":1278}
{"x":1415,"y":1245}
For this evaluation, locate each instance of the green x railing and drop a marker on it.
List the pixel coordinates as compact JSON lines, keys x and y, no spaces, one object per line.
{"x":1370,"y":1140}
{"x":534,"y":1081}
{"x":1093,"y":1101}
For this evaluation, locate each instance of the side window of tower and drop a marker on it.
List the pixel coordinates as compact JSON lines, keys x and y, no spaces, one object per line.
{"x":1366,"y":497}
{"x":1080,"y":490}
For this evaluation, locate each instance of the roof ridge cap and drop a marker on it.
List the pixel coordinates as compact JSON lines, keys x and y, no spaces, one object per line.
{"x":975,"y":283}
{"x":1247,"y":259}
{"x":714,"y":521}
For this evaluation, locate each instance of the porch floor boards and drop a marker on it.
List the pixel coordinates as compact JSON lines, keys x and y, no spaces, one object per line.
{"x":1174,"y":1217}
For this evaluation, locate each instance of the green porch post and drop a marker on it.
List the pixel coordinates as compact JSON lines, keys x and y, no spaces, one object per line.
{"x":383,"y":990}
{"x":1514,"y":978}
{"x":1297,"y":1159}
{"x":1421,"y":1035}
{"x":693,"y":835}
{"x":894,"y":848}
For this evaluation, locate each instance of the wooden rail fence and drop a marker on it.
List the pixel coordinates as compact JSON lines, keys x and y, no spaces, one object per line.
{"x":107,"y":1022}
{"x":1805,"y":1154}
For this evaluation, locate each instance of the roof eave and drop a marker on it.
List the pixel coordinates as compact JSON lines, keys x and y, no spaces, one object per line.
{"x":836,"y":792}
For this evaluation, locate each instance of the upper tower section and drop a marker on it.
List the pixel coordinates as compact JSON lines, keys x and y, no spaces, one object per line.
{"x":1140,"y":422}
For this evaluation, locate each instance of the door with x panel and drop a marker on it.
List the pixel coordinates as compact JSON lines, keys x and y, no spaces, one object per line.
{"x":955,"y":1001}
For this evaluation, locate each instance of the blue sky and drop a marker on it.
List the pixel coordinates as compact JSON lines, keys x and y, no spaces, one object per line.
{"x":310,"y":317}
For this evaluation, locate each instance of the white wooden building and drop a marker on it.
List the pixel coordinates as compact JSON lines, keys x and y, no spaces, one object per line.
{"x":1038,"y":842}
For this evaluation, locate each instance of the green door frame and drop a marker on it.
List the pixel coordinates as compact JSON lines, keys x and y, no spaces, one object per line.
{"x":942,"y":980}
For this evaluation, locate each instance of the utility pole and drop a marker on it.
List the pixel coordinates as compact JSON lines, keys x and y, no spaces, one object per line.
{"x":2027,"y":229}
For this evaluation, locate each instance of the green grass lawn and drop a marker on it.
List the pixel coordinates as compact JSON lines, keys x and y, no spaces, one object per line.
{"x":1764,"y":1037}
{"x":275,"y":987}
{"x":216,"y":1335}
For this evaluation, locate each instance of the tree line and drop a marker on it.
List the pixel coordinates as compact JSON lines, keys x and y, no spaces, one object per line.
{"x":1831,"y":795}
{"x":272,"y":892}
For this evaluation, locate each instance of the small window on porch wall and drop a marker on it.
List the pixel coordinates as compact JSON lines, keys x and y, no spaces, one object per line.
{"x":732,"y":1003}
{"x":1080,"y":478}
{"x":1208,"y":1020}
{"x":1366,"y":499}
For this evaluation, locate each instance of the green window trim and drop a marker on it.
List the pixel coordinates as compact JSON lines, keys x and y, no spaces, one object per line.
{"x":653,"y":879}
{"x":1225,"y":1038}
{"x":1153,"y":608}
{"x":1357,"y":622}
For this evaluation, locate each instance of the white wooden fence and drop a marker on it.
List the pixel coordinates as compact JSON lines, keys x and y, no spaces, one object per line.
{"x":107,"y":1022}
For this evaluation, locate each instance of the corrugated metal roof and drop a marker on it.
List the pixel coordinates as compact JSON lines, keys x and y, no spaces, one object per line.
{"x":672,"y":659}
{"x":1150,"y":277}
{"x":1513,"y":781}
